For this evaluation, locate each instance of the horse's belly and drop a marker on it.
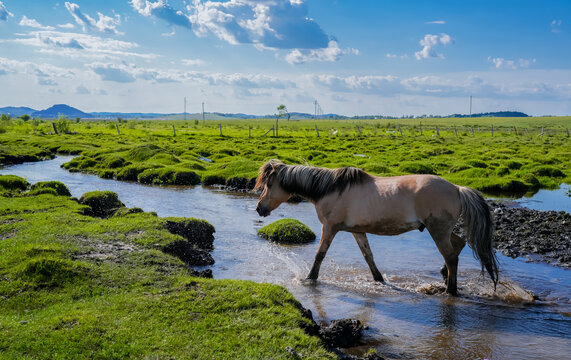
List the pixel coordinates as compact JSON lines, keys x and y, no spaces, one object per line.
{"x":384,"y":227}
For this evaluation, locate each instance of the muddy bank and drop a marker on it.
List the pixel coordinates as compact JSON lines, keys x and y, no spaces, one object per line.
{"x":545,"y":235}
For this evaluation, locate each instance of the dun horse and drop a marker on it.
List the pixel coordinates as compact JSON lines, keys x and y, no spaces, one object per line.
{"x":349,"y":199}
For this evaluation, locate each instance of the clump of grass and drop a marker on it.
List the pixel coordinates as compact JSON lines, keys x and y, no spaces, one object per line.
{"x":44,"y":187}
{"x":288,"y":231}
{"x":100,"y":203}
{"x":13,"y":182}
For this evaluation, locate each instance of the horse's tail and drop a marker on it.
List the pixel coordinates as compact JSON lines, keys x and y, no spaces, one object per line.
{"x":478,"y":229}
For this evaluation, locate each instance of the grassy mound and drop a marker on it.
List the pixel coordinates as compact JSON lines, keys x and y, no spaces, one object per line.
{"x":288,"y":231}
{"x":13,"y":182}
{"x":100,"y":203}
{"x":57,"y":186}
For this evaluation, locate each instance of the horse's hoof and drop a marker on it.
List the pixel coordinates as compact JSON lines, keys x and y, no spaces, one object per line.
{"x":309,"y":282}
{"x":452,"y":292}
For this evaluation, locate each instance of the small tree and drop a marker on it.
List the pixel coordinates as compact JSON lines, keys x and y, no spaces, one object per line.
{"x":282,"y":111}
{"x":62,"y":125}
{"x":25,"y":117}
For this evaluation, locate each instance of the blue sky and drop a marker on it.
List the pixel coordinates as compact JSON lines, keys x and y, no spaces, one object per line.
{"x":353,"y":57}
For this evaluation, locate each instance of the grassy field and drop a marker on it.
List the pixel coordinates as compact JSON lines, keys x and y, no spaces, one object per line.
{"x":80,"y":287}
{"x":515,"y":158}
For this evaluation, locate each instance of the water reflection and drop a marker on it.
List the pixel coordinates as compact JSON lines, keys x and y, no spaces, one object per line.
{"x":403,"y":321}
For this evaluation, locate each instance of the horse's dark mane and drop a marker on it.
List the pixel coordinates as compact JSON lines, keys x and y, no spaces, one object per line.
{"x":311,"y":182}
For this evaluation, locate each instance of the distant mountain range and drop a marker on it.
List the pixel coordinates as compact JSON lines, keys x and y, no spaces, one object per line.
{"x":71,"y":112}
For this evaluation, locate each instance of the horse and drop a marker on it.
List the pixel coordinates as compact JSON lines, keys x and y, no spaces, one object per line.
{"x":349,"y":199}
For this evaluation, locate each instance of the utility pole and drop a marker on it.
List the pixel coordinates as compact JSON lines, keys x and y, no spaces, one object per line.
{"x":470,"y":105}
{"x":203,"y":113}
{"x":185,"y":108}
{"x":315,"y":110}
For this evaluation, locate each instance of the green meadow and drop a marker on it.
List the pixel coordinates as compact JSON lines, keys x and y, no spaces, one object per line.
{"x":499,"y":156}
{"x":74,"y":286}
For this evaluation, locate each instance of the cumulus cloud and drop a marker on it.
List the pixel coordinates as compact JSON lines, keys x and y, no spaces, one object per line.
{"x":331,"y":53}
{"x":429,"y":42}
{"x":4,"y":13}
{"x":370,"y":84}
{"x":33,"y":23}
{"x":161,"y":10}
{"x":266,"y":24}
{"x":105,"y":24}
{"x":501,"y":63}
{"x":556,"y":26}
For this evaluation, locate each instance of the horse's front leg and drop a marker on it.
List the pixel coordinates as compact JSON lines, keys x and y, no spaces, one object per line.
{"x":361,"y":239}
{"x":327,"y":235}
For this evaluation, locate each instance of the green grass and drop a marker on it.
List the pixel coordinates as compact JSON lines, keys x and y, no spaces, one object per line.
{"x":78,"y":287}
{"x":289,"y":231}
{"x":147,"y":151}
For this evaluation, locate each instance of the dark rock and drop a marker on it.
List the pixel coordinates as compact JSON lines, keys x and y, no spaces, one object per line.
{"x":189,"y":253}
{"x":197,"y":232}
{"x":342,"y":333}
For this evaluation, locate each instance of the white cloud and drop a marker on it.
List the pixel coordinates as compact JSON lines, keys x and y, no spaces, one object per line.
{"x":331,"y":53}
{"x":391,"y":56}
{"x":439,"y":22}
{"x":66,"y":26}
{"x":267,"y":24}
{"x":105,"y":24}
{"x":33,"y":23}
{"x":192,"y":62}
{"x":429,"y":42}
{"x":501,"y":63}
{"x":110,"y":72}
{"x":4,"y":13}
{"x":556,"y":26}
{"x":76,"y":45}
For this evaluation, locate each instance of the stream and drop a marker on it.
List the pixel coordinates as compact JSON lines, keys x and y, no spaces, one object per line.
{"x":404,"y":321}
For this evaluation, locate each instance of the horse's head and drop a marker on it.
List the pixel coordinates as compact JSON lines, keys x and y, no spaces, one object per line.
{"x":272,"y":193}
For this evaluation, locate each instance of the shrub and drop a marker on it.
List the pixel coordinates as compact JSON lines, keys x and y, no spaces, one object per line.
{"x":101,"y":203}
{"x":57,"y":186}
{"x":13,"y":182}
{"x":288,"y":231}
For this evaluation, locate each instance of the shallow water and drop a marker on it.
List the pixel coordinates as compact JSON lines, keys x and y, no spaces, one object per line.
{"x":405,"y":321}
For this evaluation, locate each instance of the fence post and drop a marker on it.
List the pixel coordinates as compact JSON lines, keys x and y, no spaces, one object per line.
{"x":567,"y":132}
{"x":220,"y":127}
{"x":55,"y":128}
{"x":249,"y":131}
{"x":277,"y":126}
{"x":492,"y":130}
{"x":472,"y":129}
{"x":273,"y":131}
{"x":317,"y":130}
{"x":437,"y":131}
{"x":420,"y":128}
{"x":515,"y":130}
{"x":173,"y":131}
{"x":117,"y":126}
{"x":359,"y":130}
{"x":455,"y":131}
{"x":400,"y":130}
{"x":542,"y":132}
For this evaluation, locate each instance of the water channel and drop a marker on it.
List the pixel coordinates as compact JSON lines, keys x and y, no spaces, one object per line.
{"x":404,"y":321}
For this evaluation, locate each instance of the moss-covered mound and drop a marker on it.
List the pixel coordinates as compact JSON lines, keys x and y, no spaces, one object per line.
{"x":198,"y":232}
{"x":101,"y":203}
{"x":13,"y":182}
{"x":289,"y":231}
{"x":44,"y":187}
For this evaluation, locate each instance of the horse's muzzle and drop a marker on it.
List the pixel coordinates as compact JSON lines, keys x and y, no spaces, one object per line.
{"x":262,"y":211}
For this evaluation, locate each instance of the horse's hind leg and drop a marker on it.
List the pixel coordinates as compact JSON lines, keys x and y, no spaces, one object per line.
{"x":441,"y":234}
{"x":368,"y":254}
{"x":326,"y":238}
{"x":458,"y":244}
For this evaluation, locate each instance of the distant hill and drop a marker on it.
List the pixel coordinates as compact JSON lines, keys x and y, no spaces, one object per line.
{"x":493,"y":114}
{"x":17,"y":111}
{"x":61,"y":109}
